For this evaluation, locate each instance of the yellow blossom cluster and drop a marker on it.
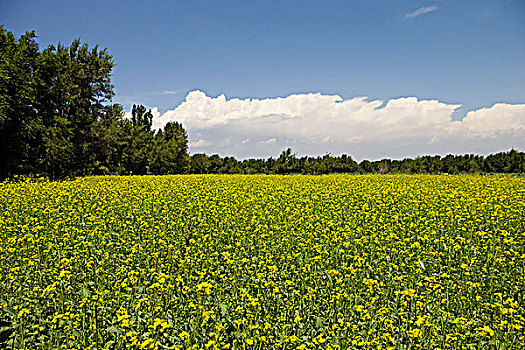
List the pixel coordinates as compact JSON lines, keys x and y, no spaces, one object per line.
{"x":263,"y":262}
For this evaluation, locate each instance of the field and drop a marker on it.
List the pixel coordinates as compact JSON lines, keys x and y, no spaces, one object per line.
{"x":264,"y":262}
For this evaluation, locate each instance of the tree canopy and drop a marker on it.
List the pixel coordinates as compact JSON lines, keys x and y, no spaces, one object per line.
{"x":288,"y":163}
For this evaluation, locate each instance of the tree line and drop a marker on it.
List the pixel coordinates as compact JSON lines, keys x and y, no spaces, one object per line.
{"x":288,"y":163}
{"x":57,"y":120}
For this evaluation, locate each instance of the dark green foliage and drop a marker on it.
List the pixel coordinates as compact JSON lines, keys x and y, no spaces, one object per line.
{"x":288,"y":163}
{"x":18,"y":124}
{"x":171,"y":150}
{"x":200,"y":164}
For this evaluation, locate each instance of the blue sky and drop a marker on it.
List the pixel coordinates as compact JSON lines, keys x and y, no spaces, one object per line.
{"x":458,"y":52}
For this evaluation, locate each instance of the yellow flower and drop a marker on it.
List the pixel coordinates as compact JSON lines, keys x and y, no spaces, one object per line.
{"x":486,"y":330}
{"x":204,"y":288}
{"x":22,"y":313}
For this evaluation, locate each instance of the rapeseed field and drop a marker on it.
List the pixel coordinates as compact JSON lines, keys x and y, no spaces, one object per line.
{"x":263,"y":262}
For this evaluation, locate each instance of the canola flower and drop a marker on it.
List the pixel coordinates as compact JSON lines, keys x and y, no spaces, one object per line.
{"x":263,"y":262}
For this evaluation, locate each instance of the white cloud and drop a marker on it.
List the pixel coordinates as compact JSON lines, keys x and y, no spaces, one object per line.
{"x":170,"y":92}
{"x":502,"y":118}
{"x":421,"y":11}
{"x":271,"y":141}
{"x":317,"y":123}
{"x":200,"y":143}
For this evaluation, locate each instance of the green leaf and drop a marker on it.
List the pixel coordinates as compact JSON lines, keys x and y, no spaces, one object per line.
{"x":113,"y":329}
{"x":10,"y":311}
{"x":224,"y":309}
{"x":6,"y":329}
{"x":318,"y":322}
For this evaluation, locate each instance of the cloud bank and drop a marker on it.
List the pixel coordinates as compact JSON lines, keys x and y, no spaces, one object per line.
{"x":421,"y":11}
{"x":315,"y":124}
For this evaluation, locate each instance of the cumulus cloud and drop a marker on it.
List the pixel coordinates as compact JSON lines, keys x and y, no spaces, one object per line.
{"x":499,"y":119}
{"x":421,"y":11}
{"x":316,"y":123}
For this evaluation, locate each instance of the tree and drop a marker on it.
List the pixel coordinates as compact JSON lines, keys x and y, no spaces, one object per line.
{"x":48,"y":103}
{"x":18,"y":117}
{"x":140,"y":145}
{"x":474,"y":167}
{"x":215,"y":164}
{"x":347,"y":164}
{"x":141,"y":118}
{"x":230,"y":165}
{"x":199,"y":164}
{"x":171,"y":150}
{"x":72,"y":84}
{"x":366,"y":166}
{"x":286,"y":163}
{"x":110,"y":141}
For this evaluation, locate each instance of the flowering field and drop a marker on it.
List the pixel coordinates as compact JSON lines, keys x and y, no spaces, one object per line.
{"x":264,"y":262}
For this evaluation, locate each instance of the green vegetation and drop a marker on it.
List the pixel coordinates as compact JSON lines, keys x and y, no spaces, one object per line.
{"x":287,"y":163}
{"x":263,"y":262}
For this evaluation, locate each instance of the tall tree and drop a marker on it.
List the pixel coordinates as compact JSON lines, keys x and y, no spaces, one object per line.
{"x":48,"y":103}
{"x":18,"y":117}
{"x":110,"y":141}
{"x":171,"y":150}
{"x":141,"y":142}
